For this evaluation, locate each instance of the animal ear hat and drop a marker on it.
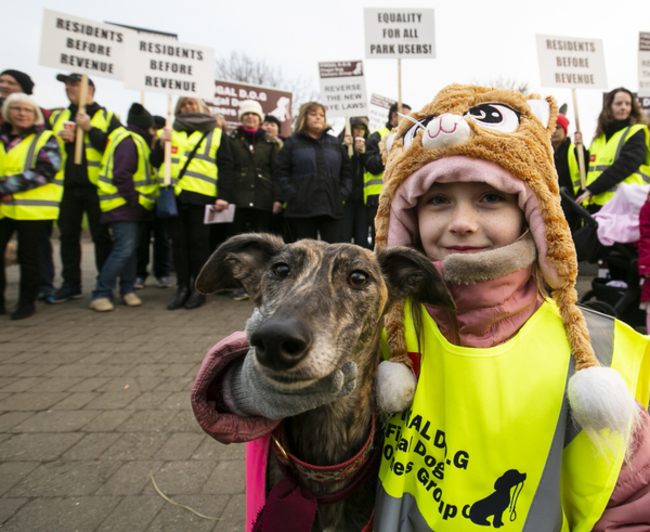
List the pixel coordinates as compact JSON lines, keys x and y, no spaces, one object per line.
{"x":465,"y":134}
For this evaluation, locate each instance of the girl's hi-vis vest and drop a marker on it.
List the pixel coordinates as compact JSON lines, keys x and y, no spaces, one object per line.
{"x":40,"y":203}
{"x":489,"y":441}
{"x":201,"y":174}
{"x":372,"y":183}
{"x":602,"y":155}
{"x":144,"y":179}
{"x":101,"y":120}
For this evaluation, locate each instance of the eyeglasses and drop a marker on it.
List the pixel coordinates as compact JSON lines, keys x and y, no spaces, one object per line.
{"x":22,"y":110}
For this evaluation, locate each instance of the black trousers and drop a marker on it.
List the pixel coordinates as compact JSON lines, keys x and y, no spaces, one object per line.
{"x":161,"y":266}
{"x":328,"y":228}
{"x":30,"y":234}
{"x":190,"y":239}
{"x":76,"y":201}
{"x":250,"y":221}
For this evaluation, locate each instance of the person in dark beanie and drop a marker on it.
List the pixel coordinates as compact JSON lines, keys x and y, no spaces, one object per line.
{"x":128,"y":189}
{"x":272,"y":126}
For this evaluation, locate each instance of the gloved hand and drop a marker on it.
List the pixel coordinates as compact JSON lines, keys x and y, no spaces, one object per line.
{"x":247,"y":392}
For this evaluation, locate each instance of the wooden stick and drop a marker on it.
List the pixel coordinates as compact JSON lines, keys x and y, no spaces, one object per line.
{"x":399,"y":87}
{"x":142,"y":98}
{"x":167,"y":180}
{"x":79,"y":139}
{"x":348,"y":131}
{"x":581,"y":154}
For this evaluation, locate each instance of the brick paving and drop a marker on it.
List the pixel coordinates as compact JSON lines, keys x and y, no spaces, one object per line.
{"x":92,"y":405}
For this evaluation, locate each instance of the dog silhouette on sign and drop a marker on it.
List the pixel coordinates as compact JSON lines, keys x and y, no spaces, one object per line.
{"x":497,"y":503}
{"x":281,"y":111}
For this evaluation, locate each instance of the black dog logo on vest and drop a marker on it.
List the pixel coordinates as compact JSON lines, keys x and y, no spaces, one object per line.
{"x":497,"y":503}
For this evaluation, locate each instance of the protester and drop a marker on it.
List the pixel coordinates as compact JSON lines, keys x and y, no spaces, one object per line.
{"x":128,"y":189}
{"x":313,"y":171}
{"x":30,"y":158}
{"x":272,"y":126}
{"x":80,"y":183}
{"x":12,"y":81}
{"x":619,"y":151}
{"x":644,"y":259}
{"x":200,"y":159}
{"x":355,"y":219}
{"x":565,"y":154}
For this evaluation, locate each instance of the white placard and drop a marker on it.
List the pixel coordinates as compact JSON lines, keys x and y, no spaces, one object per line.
{"x":343,"y":88}
{"x":644,"y":64}
{"x":571,"y":62}
{"x":403,"y":32}
{"x":73,"y":44}
{"x":156,"y":64}
{"x":378,"y":111}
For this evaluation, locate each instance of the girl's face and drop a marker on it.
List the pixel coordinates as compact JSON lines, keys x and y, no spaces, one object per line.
{"x":467,"y":218}
{"x":621,"y":106}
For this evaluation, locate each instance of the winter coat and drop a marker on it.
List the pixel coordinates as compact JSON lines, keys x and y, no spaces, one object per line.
{"x":565,"y":180}
{"x":644,"y":249}
{"x":314,"y":176}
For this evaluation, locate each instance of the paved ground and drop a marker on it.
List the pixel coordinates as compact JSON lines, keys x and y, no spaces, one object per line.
{"x":92,"y":405}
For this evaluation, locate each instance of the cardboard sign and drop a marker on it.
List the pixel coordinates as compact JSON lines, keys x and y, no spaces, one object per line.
{"x":644,"y":64}
{"x":343,"y":88}
{"x":571,"y":62}
{"x":379,"y":107}
{"x":158,"y":64}
{"x":73,"y":44}
{"x":227,"y":97}
{"x":403,"y":32}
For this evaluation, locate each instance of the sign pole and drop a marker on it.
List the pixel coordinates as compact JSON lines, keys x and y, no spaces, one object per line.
{"x":79,"y":140}
{"x":142,"y":98}
{"x":581,"y":154}
{"x":348,"y":131}
{"x":168,"y":145}
{"x":399,"y":86}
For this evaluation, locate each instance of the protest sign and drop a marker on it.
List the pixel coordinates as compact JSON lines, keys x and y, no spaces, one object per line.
{"x":74,"y":44}
{"x":644,"y":64}
{"x":571,"y":62}
{"x":378,"y":111}
{"x":157,"y":64}
{"x":397,"y":33}
{"x":343,"y":88}
{"x":228,"y":95}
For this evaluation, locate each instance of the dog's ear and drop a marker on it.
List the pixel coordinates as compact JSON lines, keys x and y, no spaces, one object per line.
{"x":240,"y":260}
{"x":410,"y":273}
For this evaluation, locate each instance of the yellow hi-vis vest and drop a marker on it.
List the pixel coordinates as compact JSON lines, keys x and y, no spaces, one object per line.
{"x":178,"y":139}
{"x":372,"y":183}
{"x":603,"y":154}
{"x":40,"y":203}
{"x":489,"y":441}
{"x":144,"y":179}
{"x":574,"y":168}
{"x":101,"y":120}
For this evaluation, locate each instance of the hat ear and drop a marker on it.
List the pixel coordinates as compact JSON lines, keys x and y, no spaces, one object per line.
{"x":541,"y":109}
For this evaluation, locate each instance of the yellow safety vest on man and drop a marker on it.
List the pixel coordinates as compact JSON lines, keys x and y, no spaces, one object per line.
{"x":40,"y":203}
{"x":144,"y":179}
{"x":603,"y":153}
{"x":372,"y":183}
{"x":489,"y":440}
{"x":101,"y":120}
{"x":574,"y":168}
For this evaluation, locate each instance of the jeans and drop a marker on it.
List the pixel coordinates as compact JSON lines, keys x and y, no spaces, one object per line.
{"x":121,"y":262}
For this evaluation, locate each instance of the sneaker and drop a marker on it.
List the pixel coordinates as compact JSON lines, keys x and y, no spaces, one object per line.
{"x":102,"y":304}
{"x":163,"y":282}
{"x":131,"y":300}
{"x":139,"y":283}
{"x":240,"y":295}
{"x":63,"y":294}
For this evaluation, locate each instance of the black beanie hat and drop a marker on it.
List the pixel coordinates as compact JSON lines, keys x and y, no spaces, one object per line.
{"x":159,"y":121}
{"x":23,"y":80}
{"x":139,"y":117}
{"x":271,"y":118}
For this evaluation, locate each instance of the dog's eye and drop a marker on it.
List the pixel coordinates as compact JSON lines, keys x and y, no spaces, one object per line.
{"x":281,"y":270}
{"x":358,"y":278}
{"x":494,"y":116}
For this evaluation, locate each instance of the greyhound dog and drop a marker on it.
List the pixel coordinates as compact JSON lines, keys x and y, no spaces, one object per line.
{"x":322,"y":306}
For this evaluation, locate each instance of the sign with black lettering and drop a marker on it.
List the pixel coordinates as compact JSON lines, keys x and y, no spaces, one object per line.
{"x":73,"y":44}
{"x":158,"y":64}
{"x":227,"y":97}
{"x":644,"y":64}
{"x":343,"y":88}
{"x":396,"y":33}
{"x":378,"y":112}
{"x":571,"y":62}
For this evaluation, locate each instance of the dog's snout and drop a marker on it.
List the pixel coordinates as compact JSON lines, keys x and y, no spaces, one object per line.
{"x":282,"y":344}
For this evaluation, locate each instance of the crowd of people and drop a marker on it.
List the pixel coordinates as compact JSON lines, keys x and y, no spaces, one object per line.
{"x":311,"y":184}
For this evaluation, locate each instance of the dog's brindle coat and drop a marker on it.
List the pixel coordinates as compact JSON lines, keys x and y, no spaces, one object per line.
{"x":322,"y":305}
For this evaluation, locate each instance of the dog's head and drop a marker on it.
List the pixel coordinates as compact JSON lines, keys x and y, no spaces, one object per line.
{"x":321,"y":304}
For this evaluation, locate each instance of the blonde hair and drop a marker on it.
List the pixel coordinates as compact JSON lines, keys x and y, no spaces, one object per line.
{"x":305,"y":109}
{"x":203,"y":108}
{"x":21,"y":97}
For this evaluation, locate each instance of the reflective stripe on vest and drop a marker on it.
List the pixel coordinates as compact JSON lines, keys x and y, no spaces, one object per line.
{"x":201,"y":175}
{"x":372,"y":183}
{"x":101,"y":120}
{"x":40,"y":203}
{"x":144,"y":180}
{"x":605,"y":152}
{"x":478,"y":433}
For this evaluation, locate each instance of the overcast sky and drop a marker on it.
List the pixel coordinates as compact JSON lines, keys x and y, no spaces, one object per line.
{"x":476,"y":41}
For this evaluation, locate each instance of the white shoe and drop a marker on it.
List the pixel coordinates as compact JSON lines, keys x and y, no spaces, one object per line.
{"x":103,"y":304}
{"x":131,"y":300}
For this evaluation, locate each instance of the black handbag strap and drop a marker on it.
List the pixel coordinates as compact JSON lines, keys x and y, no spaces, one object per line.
{"x":189,"y":159}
